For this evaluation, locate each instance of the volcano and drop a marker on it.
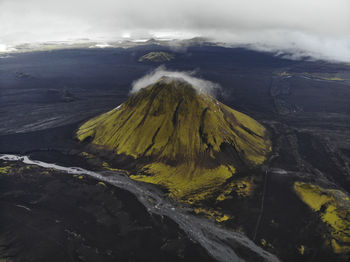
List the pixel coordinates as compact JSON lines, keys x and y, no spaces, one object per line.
{"x":178,"y":137}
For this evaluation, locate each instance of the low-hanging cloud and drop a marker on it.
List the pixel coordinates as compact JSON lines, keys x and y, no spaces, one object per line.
{"x":316,"y":28}
{"x":201,"y":85}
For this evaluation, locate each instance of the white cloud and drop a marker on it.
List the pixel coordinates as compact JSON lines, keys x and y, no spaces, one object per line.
{"x":317,"y":28}
{"x":201,"y":85}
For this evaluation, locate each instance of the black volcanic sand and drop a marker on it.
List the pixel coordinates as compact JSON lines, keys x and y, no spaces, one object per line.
{"x":51,"y":216}
{"x":286,"y":223}
{"x":308,"y":118}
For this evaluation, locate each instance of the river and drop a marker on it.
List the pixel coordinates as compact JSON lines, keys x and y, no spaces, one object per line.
{"x":218,"y":241}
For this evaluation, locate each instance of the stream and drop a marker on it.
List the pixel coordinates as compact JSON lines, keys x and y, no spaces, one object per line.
{"x":218,"y":241}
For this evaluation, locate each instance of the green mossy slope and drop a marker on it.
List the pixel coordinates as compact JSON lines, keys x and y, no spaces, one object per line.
{"x":190,"y":142}
{"x":333,"y":206}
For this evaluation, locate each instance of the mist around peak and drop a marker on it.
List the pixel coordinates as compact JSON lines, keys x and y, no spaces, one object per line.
{"x":201,"y":85}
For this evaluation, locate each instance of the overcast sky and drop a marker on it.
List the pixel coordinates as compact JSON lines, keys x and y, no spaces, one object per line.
{"x":320,"y":28}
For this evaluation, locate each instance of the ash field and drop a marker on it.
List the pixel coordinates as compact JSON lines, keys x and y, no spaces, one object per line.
{"x":292,"y":204}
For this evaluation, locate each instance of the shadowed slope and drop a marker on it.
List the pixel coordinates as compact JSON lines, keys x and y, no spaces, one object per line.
{"x":190,"y":142}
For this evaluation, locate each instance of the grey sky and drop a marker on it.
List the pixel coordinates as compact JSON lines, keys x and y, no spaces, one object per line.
{"x":320,"y":28}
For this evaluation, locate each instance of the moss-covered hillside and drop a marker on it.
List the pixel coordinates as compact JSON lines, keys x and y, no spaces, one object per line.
{"x":188,"y":142}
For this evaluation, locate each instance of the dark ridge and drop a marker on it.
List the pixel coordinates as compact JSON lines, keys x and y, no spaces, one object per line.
{"x":175,"y":116}
{"x":250,"y":131}
{"x":153,"y":141}
{"x":201,"y":135}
